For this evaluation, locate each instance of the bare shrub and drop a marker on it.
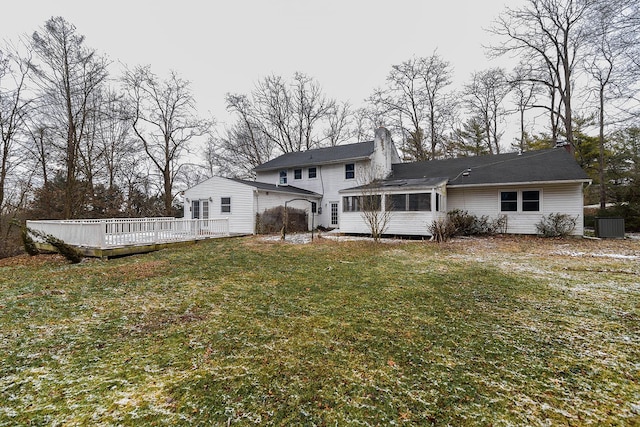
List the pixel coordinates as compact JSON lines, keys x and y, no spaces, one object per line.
{"x":556,"y":225}
{"x":272,"y":220}
{"x":467,"y":224}
{"x":442,"y":229}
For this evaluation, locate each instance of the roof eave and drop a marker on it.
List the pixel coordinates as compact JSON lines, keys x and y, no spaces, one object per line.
{"x":306,"y":164}
{"x":393,"y":188}
{"x":281,"y":190}
{"x":506,"y":184}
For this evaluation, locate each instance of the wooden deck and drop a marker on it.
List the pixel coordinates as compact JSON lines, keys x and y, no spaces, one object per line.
{"x":106,"y":238}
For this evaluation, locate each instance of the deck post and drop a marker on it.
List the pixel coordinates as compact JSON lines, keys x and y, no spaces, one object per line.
{"x":103,"y":232}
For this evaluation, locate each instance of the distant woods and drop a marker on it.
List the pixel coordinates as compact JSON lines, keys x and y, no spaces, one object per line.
{"x":79,"y":141}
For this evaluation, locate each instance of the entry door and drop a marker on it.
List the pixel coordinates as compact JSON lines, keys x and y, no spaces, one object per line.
{"x":334,"y":213}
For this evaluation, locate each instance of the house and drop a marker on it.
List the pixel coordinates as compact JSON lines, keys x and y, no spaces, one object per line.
{"x":239,"y":201}
{"x":331,"y":182}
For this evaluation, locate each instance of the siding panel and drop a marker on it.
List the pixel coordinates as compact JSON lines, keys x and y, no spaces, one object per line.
{"x":241,"y":217}
{"x":554,"y":198}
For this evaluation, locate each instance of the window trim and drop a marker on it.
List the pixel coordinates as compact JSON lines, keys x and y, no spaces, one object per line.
{"x":335,"y":213}
{"x":350,"y":169}
{"x":224,"y":205}
{"x":282,"y":177}
{"x":519,"y":201}
{"x":501,"y":201}
{"x":315,"y":172}
{"x":407,"y":205}
{"x":195,"y":209}
{"x":538,"y":200}
{"x":295,"y":174}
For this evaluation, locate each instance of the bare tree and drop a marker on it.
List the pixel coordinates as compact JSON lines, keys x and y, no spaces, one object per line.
{"x":375,"y":215}
{"x":164,"y":120}
{"x":243,"y":145}
{"x":114,"y":139}
{"x":609,"y":46}
{"x":291,"y":115}
{"x":548,"y":36}
{"x":524,"y":97}
{"x":484,"y":97}
{"x":421,"y":108}
{"x":338,"y":129}
{"x":68,"y":75}
{"x":14,"y":106}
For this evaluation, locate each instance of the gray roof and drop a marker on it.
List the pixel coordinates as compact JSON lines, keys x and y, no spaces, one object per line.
{"x":319,"y":156}
{"x":397,"y":184}
{"x":554,"y":164}
{"x":281,"y":188}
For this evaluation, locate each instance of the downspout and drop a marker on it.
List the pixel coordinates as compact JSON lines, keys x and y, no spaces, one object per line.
{"x":256,"y":210}
{"x":321,"y":186}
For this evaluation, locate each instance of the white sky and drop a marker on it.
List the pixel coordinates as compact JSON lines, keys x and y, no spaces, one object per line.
{"x":225,"y":46}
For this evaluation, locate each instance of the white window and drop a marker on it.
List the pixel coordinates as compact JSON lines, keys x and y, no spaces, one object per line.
{"x":200,"y":209}
{"x":312,"y":172}
{"x":195,"y":209}
{"x":531,"y":201}
{"x":283,"y":177}
{"x":334,"y":213}
{"x":349,"y":171}
{"x":508,"y":201}
{"x":297,"y":174}
{"x":225,"y":204}
{"x":411,"y":202}
{"x":205,"y":209}
{"x":520,"y":200}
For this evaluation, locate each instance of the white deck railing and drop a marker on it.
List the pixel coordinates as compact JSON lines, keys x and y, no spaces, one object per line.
{"x":105,"y":233}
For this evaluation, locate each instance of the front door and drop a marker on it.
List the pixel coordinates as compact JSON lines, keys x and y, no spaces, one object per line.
{"x":334,"y":214}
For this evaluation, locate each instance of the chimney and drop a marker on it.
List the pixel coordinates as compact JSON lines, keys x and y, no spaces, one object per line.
{"x":383,"y":150}
{"x":565,"y":145}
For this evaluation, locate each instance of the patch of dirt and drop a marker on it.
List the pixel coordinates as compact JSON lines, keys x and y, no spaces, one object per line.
{"x":29,"y":260}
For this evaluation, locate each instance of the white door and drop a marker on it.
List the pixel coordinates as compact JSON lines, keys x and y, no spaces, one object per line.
{"x":334,"y":214}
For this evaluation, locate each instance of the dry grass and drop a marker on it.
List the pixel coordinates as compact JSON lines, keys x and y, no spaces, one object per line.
{"x":491,"y":331}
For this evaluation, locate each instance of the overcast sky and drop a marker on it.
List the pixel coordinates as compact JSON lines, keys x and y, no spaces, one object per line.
{"x":226,"y":46}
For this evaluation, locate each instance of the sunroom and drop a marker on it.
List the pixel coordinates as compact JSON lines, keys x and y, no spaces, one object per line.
{"x":409,"y":206}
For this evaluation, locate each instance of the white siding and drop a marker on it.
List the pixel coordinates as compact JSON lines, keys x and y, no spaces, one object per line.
{"x":242,"y":215}
{"x":554,"y":198}
{"x":330,"y":179}
{"x":408,"y":223}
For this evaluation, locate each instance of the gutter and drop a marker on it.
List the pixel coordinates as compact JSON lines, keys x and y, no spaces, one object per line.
{"x":503,"y":184}
{"x":301,"y":165}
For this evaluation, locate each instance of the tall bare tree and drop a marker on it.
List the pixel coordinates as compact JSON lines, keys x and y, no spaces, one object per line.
{"x":279,"y":116}
{"x":164,"y":119}
{"x":524,"y":97}
{"x":416,"y":97}
{"x":14,"y":106}
{"x":291,"y":115}
{"x":484,"y":96}
{"x":243,"y":145}
{"x":548,"y":36}
{"x":611,"y":38}
{"x":68,"y":75}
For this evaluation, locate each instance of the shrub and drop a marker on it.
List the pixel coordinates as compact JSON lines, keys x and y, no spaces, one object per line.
{"x":467,"y":224}
{"x":462,"y":221}
{"x":556,"y":225}
{"x":442,"y":229}
{"x":272,"y":220}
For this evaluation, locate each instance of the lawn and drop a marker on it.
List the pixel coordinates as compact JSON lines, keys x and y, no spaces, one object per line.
{"x":492,"y":331}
